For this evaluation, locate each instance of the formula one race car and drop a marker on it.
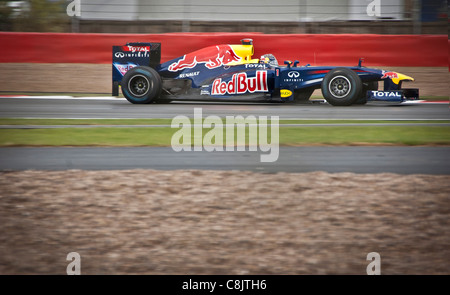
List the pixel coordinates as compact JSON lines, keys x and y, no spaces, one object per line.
{"x":229,"y":73}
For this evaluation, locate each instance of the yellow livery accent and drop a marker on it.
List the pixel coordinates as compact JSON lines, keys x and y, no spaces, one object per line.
{"x":285,"y":93}
{"x":401,"y":77}
{"x":245,"y":52}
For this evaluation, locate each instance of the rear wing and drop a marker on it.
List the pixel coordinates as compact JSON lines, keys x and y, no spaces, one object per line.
{"x":132,"y":55}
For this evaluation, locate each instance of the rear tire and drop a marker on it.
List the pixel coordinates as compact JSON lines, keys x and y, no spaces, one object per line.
{"x":341,"y":87}
{"x":141,"y":85}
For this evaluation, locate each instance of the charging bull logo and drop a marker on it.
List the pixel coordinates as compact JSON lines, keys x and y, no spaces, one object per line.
{"x":390,"y":75}
{"x":212,"y":57}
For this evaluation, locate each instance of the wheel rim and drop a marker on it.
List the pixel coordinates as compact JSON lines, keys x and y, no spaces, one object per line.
{"x":139,"y":85}
{"x":339,"y":86}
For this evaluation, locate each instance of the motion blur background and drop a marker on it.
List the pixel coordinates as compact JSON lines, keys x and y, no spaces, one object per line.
{"x":91,"y":27}
{"x":274,"y":17}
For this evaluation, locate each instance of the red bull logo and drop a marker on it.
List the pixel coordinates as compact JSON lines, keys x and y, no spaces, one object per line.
{"x":390,"y":75}
{"x":212,"y":57}
{"x":123,"y":68}
{"x":240,"y":84}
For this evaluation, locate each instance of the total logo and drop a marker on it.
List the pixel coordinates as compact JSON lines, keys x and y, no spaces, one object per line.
{"x":129,"y":48}
{"x":240,"y":84}
{"x":377,"y":94}
{"x":250,"y":66}
{"x":123,"y":68}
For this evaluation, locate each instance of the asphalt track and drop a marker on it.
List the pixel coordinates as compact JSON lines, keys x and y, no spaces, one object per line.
{"x":48,"y":107}
{"x":402,"y":160}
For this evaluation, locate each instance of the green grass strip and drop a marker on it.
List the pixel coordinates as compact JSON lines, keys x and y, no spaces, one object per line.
{"x":356,"y":135}
{"x":323,"y":135}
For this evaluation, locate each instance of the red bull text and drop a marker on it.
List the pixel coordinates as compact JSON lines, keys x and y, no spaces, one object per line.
{"x":240,"y":83}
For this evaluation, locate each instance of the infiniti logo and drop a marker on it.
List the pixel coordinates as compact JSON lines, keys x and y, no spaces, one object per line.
{"x":120,"y":54}
{"x":293,"y":74}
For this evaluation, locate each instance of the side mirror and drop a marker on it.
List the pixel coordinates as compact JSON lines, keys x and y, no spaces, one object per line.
{"x":360,"y":62}
{"x":288,"y":63}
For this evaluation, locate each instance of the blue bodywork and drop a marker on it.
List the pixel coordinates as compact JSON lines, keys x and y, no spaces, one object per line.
{"x":252,"y":80}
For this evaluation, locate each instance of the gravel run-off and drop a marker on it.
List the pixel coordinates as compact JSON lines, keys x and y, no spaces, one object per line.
{"x":223,"y":222}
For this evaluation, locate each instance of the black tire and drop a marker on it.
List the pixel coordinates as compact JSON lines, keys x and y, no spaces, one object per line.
{"x":372,"y":85}
{"x":341,"y":87}
{"x":141,"y":85}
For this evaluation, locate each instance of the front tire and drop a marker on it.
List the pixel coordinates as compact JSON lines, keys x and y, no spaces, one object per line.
{"x":141,"y":85}
{"x":341,"y":87}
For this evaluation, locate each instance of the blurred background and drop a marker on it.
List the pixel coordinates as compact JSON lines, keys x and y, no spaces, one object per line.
{"x":27,"y":66}
{"x":273,"y":17}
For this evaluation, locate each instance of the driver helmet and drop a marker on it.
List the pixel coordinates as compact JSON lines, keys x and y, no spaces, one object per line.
{"x":268,"y":59}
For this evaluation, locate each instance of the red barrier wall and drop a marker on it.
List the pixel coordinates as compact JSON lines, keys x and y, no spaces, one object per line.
{"x":343,"y":49}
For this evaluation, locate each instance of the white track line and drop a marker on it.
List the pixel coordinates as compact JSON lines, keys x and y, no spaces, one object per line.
{"x":68,"y":97}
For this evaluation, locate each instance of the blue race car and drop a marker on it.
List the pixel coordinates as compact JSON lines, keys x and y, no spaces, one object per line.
{"x":229,"y":73}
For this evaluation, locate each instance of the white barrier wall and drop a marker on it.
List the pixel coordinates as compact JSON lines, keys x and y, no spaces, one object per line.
{"x":239,"y":10}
